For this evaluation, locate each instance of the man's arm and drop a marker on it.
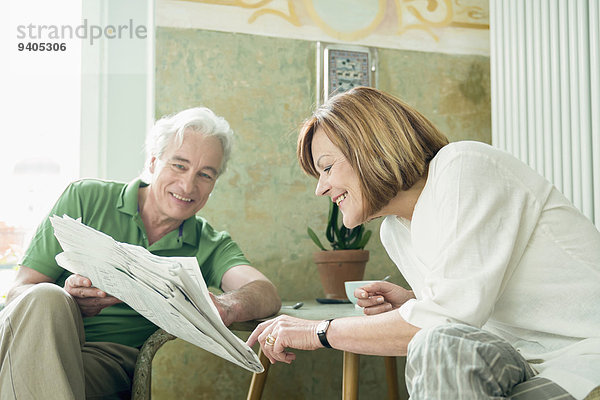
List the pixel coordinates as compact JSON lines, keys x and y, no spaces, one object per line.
{"x":248,"y":295}
{"x":26,"y":278}
{"x":90,"y":299}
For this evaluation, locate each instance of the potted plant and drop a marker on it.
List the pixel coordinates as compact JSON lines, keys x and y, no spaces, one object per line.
{"x":347,"y":259}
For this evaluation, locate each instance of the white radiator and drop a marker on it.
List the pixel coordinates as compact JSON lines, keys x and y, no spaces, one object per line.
{"x":545,"y":76}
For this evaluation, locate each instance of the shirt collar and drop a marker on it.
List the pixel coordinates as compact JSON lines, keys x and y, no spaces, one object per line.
{"x":190,"y":233}
{"x":128,"y":199}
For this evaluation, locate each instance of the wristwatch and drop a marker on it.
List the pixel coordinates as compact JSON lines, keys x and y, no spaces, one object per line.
{"x":322,"y":332}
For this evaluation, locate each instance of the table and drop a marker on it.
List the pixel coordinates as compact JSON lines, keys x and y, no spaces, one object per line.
{"x":316,"y":311}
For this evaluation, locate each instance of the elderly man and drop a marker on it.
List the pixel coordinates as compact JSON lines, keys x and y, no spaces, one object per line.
{"x":62,"y":337}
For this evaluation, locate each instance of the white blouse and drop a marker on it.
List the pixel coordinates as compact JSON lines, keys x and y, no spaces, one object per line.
{"x":493,"y":244}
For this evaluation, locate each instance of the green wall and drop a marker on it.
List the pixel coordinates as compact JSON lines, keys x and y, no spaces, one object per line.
{"x":264,"y":87}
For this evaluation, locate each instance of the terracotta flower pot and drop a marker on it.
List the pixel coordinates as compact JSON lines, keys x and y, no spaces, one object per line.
{"x":338,"y":266}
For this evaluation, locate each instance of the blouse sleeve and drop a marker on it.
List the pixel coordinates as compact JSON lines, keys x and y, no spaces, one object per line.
{"x":469,"y":230}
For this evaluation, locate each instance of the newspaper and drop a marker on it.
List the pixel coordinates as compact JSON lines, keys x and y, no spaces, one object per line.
{"x":169,"y":291}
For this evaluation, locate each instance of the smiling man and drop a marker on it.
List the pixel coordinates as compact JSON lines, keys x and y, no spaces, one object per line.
{"x":61,"y":335}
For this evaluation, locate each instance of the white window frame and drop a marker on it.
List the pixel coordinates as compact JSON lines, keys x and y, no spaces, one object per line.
{"x":117,"y":103}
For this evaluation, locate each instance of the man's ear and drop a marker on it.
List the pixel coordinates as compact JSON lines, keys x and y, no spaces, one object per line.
{"x":152,"y":166}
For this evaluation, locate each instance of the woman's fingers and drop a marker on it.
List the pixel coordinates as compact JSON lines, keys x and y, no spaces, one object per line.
{"x":369,"y":301}
{"x":378,"y":309}
{"x":278,"y":334}
{"x":254,"y":336}
{"x":277,"y":350}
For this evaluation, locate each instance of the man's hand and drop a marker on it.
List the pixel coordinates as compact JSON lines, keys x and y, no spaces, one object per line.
{"x":91,"y":300}
{"x":379,"y":297}
{"x":248,"y":294}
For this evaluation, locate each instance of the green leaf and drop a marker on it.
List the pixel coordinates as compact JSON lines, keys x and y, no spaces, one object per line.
{"x":314,"y":238}
{"x":337,"y":234}
{"x":355,"y":233}
{"x":340,"y":237}
{"x":331,"y":222}
{"x":365,"y":239}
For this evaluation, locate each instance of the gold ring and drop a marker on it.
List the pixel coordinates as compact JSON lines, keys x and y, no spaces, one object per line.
{"x":270,"y":341}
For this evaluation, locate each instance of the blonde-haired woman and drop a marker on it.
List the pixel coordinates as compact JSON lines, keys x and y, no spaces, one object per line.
{"x":504,"y":270}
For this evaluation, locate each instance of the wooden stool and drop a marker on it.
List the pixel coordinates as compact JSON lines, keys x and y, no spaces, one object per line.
{"x":349,"y":377}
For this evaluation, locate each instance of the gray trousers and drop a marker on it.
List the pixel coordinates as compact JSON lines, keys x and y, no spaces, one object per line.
{"x":43,"y":353}
{"x":457,"y":361}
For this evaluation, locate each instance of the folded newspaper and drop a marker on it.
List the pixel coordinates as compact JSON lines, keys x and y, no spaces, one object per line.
{"x":169,"y":291}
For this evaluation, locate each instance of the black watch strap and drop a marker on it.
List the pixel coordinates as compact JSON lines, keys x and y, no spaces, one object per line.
{"x":322,"y":332}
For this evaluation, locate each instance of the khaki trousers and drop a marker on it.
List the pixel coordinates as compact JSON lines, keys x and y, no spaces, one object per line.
{"x":43,"y":353}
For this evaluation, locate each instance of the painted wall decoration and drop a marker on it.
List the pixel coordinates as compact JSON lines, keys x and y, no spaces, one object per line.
{"x":351,"y":20}
{"x":428,"y":25}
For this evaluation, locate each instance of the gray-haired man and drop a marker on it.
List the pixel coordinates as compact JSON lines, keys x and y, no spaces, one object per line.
{"x":61,"y":335}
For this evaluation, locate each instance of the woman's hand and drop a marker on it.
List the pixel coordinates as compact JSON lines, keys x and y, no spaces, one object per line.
{"x":90,"y":299}
{"x":379,"y":297}
{"x":284,"y":332}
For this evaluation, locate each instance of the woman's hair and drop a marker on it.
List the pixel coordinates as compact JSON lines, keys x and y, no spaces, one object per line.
{"x":198,"y":120}
{"x":387,"y":142}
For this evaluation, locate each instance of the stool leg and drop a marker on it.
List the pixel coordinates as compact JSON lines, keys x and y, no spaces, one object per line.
{"x":350,"y":376}
{"x":258,"y":380}
{"x":391,"y":373}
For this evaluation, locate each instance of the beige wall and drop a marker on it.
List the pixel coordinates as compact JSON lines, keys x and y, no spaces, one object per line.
{"x":265,"y":88}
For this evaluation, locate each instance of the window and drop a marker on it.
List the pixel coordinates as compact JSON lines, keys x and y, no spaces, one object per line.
{"x":40,"y":99}
{"x":59,"y":104}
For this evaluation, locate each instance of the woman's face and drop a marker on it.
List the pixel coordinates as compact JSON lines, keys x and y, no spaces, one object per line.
{"x":337,"y":179}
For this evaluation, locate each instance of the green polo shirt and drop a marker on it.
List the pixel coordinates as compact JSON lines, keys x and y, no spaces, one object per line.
{"x":112,"y":208}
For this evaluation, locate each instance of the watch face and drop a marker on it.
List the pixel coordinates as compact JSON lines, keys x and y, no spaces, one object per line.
{"x":322,"y":327}
{"x":322,"y":333}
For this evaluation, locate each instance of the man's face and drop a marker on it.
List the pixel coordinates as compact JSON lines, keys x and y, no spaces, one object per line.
{"x":184,"y":177}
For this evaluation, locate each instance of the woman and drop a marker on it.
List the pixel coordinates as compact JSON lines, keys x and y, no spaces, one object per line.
{"x":505,"y":271}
